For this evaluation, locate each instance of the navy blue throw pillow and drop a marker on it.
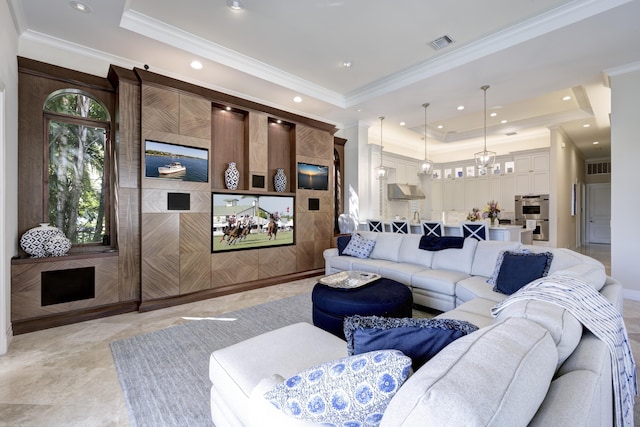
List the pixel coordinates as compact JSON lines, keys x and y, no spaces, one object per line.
{"x":435,"y":243}
{"x":518,"y":269}
{"x":342,"y":242}
{"x":420,"y":339}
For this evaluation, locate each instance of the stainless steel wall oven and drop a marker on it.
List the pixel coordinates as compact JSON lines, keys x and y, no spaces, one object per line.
{"x":534,"y":208}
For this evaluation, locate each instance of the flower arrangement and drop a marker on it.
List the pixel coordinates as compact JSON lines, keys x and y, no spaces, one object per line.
{"x":474,"y":215}
{"x":491,"y":211}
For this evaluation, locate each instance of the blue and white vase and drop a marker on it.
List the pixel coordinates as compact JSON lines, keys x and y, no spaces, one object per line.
{"x":232,"y":177}
{"x":280,"y":180}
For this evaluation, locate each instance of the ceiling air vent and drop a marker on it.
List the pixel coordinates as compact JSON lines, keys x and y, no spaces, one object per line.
{"x":441,"y":42}
{"x":511,"y":133}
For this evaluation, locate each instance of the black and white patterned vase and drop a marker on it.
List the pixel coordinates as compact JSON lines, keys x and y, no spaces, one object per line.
{"x":34,"y":239}
{"x":280,"y":180}
{"x":232,"y":177}
{"x":57,"y":246}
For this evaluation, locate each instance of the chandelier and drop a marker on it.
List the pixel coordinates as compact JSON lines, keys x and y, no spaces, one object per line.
{"x":427,"y":165}
{"x":485,"y":159}
{"x":381,"y":171}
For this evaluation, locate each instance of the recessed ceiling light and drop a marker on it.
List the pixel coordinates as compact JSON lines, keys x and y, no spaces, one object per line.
{"x":196,"y":65}
{"x":80,"y":7}
{"x":503,"y":121}
{"x":297,"y":99}
{"x":235,"y":4}
{"x":586,"y":125}
{"x":346,"y":64}
{"x":460,"y":107}
{"x":228,"y":108}
{"x":493,"y":114}
{"x":440,"y":126}
{"x":402,"y":123}
{"x":596,"y":142}
{"x":566,"y":98}
{"x":278,"y":121}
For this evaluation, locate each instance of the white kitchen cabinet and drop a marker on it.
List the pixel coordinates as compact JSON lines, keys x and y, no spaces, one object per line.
{"x":436,"y":196}
{"x":532,"y":173}
{"x":453,"y":195}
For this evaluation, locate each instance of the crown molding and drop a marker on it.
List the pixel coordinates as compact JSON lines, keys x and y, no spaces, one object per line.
{"x":157,"y":30}
{"x":562,"y":16}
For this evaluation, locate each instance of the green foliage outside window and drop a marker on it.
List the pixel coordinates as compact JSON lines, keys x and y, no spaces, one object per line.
{"x":78,"y":128}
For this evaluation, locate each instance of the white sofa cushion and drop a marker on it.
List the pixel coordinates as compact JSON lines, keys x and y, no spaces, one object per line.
{"x":410,"y":252}
{"x":565,"y":329}
{"x":477,"y":286}
{"x":496,"y":376}
{"x":441,"y":281}
{"x":237,"y":369}
{"x":455,"y":259}
{"x":486,"y":256}
{"x":594,"y":275}
{"x":387,"y":246}
{"x":400,"y":272}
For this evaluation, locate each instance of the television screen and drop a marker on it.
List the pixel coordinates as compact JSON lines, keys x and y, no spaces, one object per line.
{"x":251,"y":221}
{"x":313,"y":177}
{"x":172,"y":161}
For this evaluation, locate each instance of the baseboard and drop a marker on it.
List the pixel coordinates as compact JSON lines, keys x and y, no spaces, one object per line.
{"x":6,"y":341}
{"x":631,"y":294}
{"x":76,"y":316}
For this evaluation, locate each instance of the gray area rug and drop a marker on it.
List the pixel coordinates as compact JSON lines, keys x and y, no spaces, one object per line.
{"x":165,"y":374}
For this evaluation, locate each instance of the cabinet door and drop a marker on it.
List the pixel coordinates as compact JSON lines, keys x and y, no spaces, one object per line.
{"x":485,"y":190}
{"x":522,"y":183}
{"x":448,"y":196}
{"x":436,"y":196}
{"x":523,"y":164}
{"x":540,"y":182}
{"x":470,"y":194}
{"x":458,"y":194}
{"x":540,"y":162}
{"x":495,"y":191}
{"x":507,"y":200}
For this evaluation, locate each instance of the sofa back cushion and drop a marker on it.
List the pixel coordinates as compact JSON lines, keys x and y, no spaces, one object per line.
{"x":518,"y":360}
{"x":486,"y":256}
{"x":455,"y":259}
{"x":387,"y":246}
{"x":565,"y":329}
{"x":410,"y":252}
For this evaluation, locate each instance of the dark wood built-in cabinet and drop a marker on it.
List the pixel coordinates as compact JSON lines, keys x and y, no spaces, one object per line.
{"x":158,"y":255}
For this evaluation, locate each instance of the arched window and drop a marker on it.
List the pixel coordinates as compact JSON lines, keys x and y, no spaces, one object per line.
{"x":77,"y":162}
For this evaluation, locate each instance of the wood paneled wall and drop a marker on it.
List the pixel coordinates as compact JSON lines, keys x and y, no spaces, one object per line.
{"x":160,"y":257}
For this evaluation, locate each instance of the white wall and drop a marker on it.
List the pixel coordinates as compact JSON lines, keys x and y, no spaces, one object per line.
{"x":566,"y":167}
{"x":625,"y":158}
{"x":8,"y":166}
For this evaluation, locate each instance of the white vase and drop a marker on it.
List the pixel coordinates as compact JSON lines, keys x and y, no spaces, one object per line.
{"x":34,"y":239}
{"x":346,"y":224}
{"x":232,"y":177}
{"x":280,"y":180}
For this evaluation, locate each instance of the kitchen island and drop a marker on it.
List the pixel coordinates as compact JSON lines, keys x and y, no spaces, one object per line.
{"x":502,"y":232}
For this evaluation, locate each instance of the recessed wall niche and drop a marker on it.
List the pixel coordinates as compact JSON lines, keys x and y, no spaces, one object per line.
{"x":229,"y":143}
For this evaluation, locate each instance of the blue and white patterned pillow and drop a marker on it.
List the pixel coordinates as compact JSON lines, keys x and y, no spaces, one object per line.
{"x":352,"y":391}
{"x":359,"y":247}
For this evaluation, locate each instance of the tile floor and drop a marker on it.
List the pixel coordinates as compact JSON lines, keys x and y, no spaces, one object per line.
{"x":66,"y":377}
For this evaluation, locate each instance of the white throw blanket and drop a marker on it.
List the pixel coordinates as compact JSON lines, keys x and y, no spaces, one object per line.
{"x":602,"y":318}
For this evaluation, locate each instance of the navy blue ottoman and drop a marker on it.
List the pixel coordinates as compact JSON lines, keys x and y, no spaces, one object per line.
{"x":384,"y":297}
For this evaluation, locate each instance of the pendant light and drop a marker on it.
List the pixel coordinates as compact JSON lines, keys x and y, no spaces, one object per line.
{"x":427,"y":165}
{"x":381,"y":171}
{"x":485,"y":159}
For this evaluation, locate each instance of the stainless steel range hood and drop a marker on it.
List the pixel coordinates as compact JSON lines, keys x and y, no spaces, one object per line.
{"x":404,"y":192}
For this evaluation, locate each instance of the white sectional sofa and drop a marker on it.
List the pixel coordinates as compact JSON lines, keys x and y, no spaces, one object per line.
{"x":533,"y":364}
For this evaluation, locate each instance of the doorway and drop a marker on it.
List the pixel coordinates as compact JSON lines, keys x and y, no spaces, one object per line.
{"x":599,"y":213}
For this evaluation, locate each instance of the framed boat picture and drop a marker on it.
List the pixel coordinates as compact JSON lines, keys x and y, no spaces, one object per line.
{"x":179,"y":162}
